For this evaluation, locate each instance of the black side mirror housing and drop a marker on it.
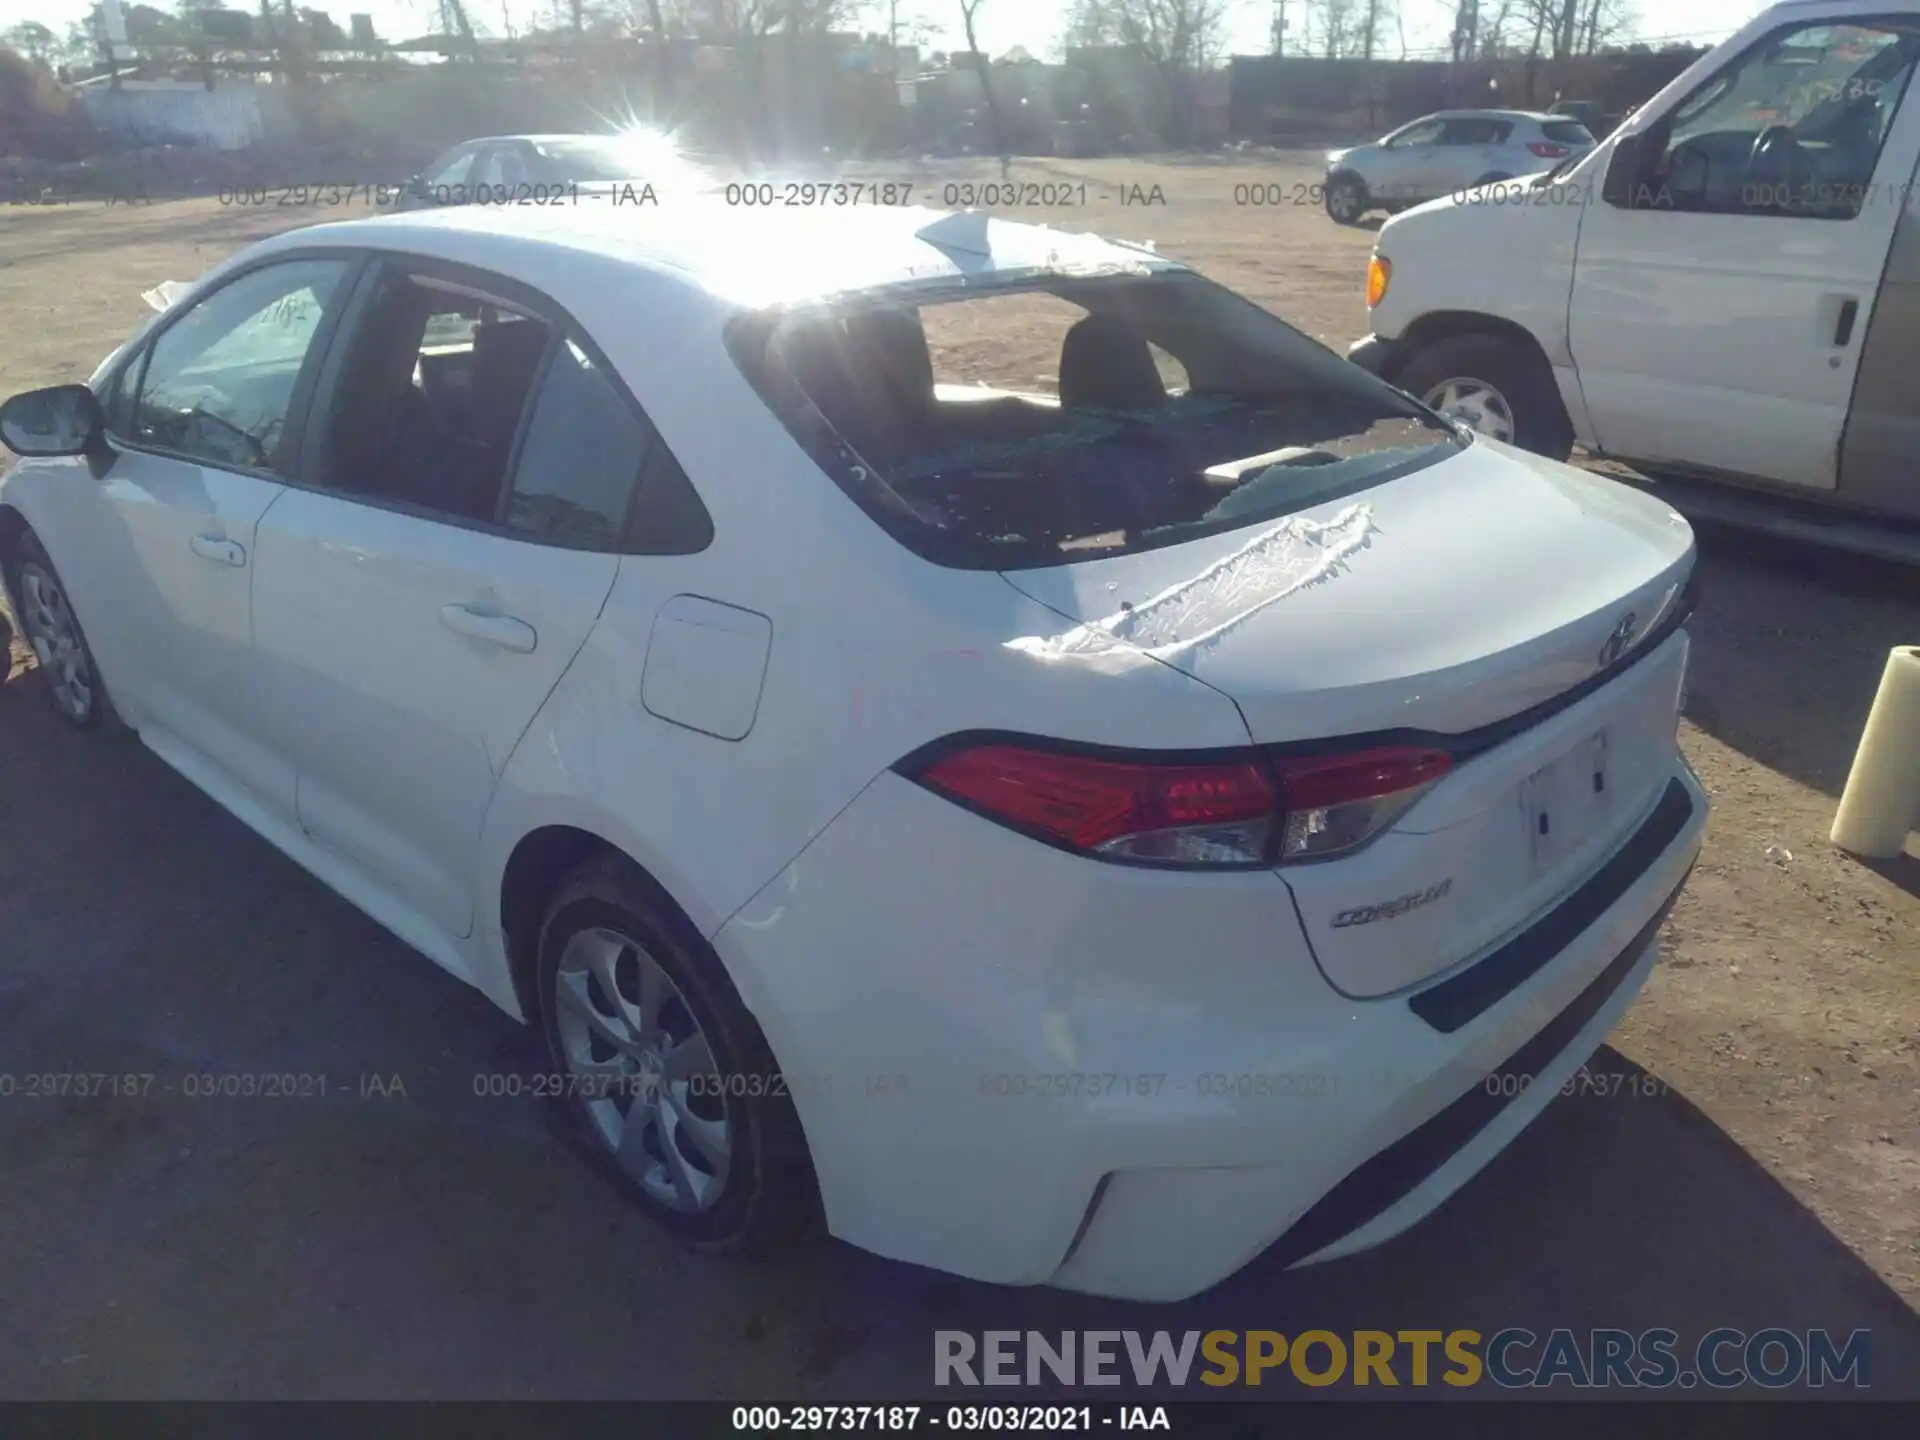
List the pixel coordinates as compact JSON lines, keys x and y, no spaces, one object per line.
{"x":59,"y":420}
{"x":1624,"y":167}
{"x":417,"y":186}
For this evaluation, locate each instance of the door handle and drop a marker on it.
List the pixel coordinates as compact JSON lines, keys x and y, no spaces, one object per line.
{"x":1843,"y":331}
{"x":505,"y":631}
{"x":215,"y":547}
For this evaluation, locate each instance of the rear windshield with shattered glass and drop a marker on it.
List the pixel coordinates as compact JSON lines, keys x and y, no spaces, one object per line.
{"x":1018,"y":425}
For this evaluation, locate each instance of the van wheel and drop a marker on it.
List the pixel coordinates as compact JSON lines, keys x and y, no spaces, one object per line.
{"x":1497,"y":386}
{"x":670,"y":1087}
{"x":1346,"y":199}
{"x":52,"y":630}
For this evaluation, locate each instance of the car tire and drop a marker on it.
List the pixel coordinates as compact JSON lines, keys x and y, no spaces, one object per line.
{"x":1520,"y":382}
{"x":1346,"y":199}
{"x":52,"y":630}
{"x":720,"y":1160}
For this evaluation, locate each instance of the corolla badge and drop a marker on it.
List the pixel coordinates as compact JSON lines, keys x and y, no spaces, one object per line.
{"x":1389,"y":909}
{"x":1618,"y":641}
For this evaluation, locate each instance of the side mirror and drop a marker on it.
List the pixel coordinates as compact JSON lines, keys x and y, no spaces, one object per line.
{"x":417,"y":187}
{"x":1624,"y":167}
{"x":60,"y":420}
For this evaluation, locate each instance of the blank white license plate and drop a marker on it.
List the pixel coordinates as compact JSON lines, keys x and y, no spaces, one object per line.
{"x":1562,"y":803}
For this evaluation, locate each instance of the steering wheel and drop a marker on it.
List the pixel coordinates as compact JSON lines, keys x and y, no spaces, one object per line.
{"x":1780,"y":165}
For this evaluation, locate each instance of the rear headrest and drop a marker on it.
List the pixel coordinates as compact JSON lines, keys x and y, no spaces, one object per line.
{"x":893,"y":342}
{"x":814,"y":351}
{"x":1105,"y":363}
{"x":505,"y":357}
{"x":507,"y":350}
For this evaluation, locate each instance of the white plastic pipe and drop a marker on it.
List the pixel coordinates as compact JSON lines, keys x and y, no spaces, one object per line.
{"x":1882,"y":799}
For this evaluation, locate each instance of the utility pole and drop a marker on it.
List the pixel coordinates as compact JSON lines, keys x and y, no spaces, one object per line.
{"x":1280,"y":27}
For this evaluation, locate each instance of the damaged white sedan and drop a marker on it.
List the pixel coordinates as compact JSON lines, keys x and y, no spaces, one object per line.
{"x":970,"y":733}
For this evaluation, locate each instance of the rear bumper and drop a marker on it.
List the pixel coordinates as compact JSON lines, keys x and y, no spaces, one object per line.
{"x":1375,"y":355}
{"x":1028,"y":1068}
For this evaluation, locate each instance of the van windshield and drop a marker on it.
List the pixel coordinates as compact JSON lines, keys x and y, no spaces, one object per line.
{"x":1054,"y":420}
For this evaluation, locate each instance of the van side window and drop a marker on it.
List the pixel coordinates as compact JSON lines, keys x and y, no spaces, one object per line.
{"x":1794,"y":127}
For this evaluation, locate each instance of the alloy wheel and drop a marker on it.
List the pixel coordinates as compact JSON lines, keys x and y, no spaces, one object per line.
{"x":54,"y":635}
{"x":643,"y":1069}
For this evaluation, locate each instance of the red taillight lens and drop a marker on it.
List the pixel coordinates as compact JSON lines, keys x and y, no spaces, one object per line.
{"x":1196,"y":815}
{"x":1547,"y":150}
{"x":1174,"y":814}
{"x":1337,"y":803}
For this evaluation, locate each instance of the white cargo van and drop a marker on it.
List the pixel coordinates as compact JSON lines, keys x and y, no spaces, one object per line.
{"x":1726,"y":289}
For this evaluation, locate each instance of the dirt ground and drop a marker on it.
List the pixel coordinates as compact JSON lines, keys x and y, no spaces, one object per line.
{"x":1786,"y":1014}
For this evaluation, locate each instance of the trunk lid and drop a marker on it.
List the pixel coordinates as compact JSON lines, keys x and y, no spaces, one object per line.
{"x":1446,"y":601}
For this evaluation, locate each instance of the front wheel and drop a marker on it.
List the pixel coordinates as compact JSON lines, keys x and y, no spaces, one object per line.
{"x":1346,"y":199}
{"x":668,"y":1083}
{"x":1495,"y":385}
{"x":52,"y":631}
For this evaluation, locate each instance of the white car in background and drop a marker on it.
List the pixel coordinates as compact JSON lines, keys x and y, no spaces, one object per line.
{"x":1086,"y":837}
{"x":1445,"y":152}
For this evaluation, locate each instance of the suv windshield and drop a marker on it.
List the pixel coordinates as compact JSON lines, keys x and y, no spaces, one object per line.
{"x":1012,"y":426}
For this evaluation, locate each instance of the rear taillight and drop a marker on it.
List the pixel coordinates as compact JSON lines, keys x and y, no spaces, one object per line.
{"x":1337,"y":803}
{"x":1228,"y":814}
{"x":1547,"y":150}
{"x":1203,"y":815}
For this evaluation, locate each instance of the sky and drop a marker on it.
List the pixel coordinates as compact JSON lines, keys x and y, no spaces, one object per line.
{"x":1002,"y":24}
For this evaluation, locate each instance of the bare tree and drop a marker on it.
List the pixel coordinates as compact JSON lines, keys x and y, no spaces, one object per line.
{"x":1180,"y":39}
{"x":983,"y":68}
{"x":1091,"y":23}
{"x":1559,"y":28}
{"x":1336,"y":25}
{"x":1603,"y":23}
{"x":1374,"y":19}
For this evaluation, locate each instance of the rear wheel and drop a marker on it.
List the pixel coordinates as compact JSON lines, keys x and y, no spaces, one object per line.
{"x":1346,"y":199}
{"x":670,"y":1087}
{"x":1497,"y":386}
{"x":59,"y":645}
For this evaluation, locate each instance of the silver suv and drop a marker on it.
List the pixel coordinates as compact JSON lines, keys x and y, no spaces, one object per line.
{"x":1452,"y":150}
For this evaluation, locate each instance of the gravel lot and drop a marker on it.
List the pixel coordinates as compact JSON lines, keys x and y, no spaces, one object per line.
{"x":437,"y":1243}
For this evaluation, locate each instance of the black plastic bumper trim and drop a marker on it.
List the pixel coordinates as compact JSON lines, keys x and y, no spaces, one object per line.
{"x":1373,"y":355}
{"x":1383,"y":1181}
{"x":1470,"y":994}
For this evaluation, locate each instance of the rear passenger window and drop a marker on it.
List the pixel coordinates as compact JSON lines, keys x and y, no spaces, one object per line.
{"x":586,"y":450}
{"x":580,"y":459}
{"x":1566,"y":132}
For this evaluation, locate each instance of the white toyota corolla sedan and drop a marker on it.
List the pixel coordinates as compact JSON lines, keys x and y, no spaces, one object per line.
{"x":970,"y":732}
